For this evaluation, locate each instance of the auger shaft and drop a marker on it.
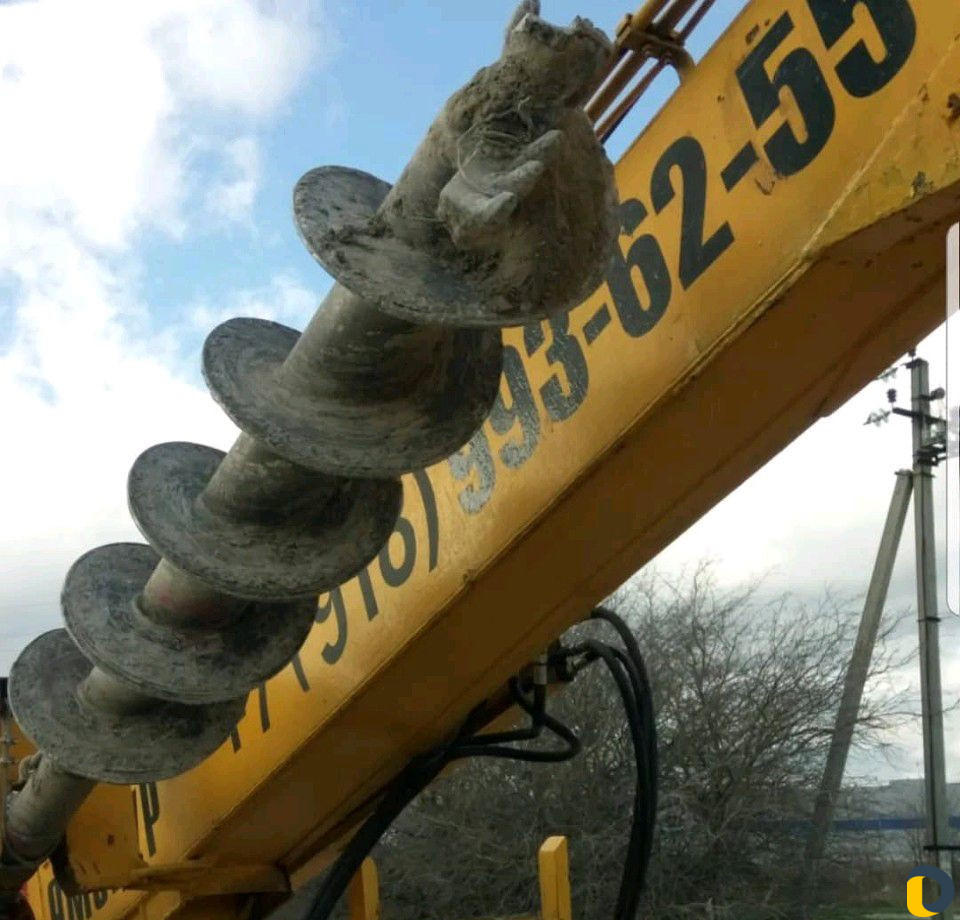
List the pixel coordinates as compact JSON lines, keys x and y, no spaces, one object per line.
{"x":38,"y":815}
{"x":395,"y":371}
{"x":251,"y":481}
{"x":174,"y":597}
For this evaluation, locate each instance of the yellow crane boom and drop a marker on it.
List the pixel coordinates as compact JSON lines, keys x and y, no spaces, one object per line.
{"x":782,"y":234}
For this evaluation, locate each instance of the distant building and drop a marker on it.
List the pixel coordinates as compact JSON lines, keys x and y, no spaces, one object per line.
{"x":888,"y":820}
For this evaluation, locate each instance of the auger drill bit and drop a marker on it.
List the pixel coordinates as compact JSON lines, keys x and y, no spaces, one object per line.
{"x":505,"y":215}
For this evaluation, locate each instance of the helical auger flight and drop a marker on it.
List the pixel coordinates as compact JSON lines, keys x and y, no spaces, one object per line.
{"x":505,"y":215}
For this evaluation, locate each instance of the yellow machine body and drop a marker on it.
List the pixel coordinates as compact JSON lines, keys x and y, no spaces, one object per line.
{"x":784,"y":220}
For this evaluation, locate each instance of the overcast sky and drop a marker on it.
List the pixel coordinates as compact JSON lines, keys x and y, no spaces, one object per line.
{"x":150,"y":151}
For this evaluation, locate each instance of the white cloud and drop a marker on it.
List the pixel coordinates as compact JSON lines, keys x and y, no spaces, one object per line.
{"x":105,"y":106}
{"x":231,"y":198}
{"x":284,"y":300}
{"x":233,"y":54}
{"x":101,"y":102}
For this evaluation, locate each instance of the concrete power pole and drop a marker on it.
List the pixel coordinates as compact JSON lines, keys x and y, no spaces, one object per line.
{"x":928,"y":448}
{"x":855,"y":680}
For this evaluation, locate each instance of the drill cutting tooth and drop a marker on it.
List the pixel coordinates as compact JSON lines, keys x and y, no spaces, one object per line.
{"x":428,"y":280}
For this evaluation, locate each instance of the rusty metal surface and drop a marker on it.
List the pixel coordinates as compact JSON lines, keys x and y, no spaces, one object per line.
{"x":647,"y":42}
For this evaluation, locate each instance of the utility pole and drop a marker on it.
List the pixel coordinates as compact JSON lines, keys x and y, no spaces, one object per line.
{"x":928,"y":443}
{"x":854,"y":682}
{"x":929,"y":446}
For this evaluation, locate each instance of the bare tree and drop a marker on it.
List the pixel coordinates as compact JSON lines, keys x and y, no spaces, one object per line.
{"x":746,"y":689}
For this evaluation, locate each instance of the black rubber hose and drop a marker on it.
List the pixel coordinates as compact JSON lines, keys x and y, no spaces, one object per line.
{"x":628,"y":671}
{"x":419,"y":773}
{"x":641,"y":832}
{"x":413,"y":780}
{"x":537,"y":712}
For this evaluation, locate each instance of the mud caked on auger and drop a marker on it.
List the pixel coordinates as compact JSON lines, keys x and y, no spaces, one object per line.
{"x":505,"y":215}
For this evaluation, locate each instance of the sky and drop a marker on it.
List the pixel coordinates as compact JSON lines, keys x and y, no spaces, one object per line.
{"x":151,"y":149}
